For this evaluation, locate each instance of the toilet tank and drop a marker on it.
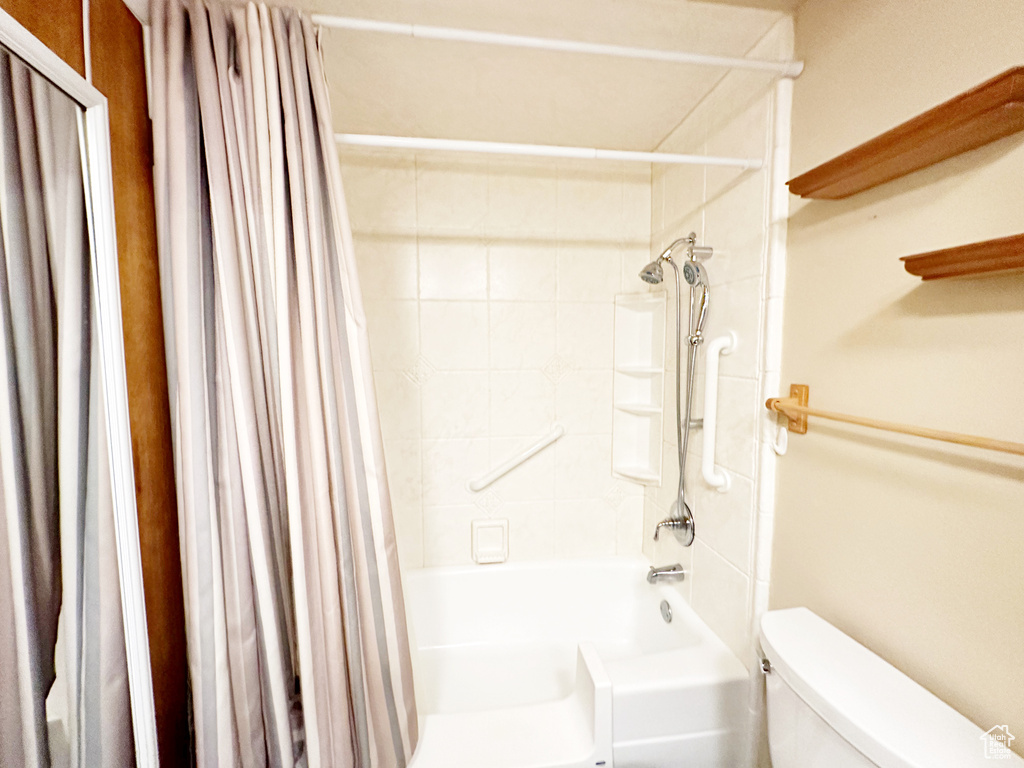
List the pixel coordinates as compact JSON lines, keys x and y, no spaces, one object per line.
{"x":833,"y":703}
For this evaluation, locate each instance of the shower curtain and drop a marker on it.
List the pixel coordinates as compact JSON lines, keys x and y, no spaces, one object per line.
{"x":297,"y":643}
{"x":57,"y":547}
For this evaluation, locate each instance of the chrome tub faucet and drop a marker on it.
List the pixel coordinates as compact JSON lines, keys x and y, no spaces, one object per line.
{"x":672,"y":572}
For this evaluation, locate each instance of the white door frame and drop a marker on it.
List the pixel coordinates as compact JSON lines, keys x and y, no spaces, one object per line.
{"x":94,"y":130}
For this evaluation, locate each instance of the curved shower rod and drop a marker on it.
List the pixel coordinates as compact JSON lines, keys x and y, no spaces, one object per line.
{"x":781,"y":68}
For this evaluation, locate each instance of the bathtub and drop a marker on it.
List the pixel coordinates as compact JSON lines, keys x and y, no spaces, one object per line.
{"x":568,"y":665}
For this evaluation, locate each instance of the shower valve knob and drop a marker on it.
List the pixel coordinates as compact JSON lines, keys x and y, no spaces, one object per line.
{"x":672,"y":525}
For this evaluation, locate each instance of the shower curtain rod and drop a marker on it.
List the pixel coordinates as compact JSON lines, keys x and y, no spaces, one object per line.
{"x":539,"y":150}
{"x":782,"y":68}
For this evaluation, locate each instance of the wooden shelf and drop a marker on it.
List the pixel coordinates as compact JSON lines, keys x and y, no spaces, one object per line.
{"x":998,"y":255}
{"x":976,"y":117}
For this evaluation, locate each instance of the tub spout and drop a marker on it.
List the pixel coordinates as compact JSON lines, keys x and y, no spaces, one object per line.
{"x":672,"y":572}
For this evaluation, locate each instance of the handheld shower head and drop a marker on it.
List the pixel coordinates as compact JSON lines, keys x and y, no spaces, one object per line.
{"x":653,"y":273}
{"x":697,"y":278}
{"x":694,"y":274}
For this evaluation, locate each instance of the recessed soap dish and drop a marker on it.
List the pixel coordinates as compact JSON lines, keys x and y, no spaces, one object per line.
{"x":490,"y":541}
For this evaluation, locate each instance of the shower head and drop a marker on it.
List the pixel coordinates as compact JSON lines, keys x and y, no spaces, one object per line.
{"x":697,"y":279}
{"x":653,"y":273}
{"x":694,"y":274}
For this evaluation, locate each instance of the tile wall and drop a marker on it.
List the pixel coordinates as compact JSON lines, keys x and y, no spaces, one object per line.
{"x":741,"y":215}
{"x":489,"y":288}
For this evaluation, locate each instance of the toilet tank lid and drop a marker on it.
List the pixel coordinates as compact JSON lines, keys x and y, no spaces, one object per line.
{"x":892,"y":720}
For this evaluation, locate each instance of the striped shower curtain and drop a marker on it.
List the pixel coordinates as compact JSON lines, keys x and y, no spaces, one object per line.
{"x":298,"y":648}
{"x":58,"y":563}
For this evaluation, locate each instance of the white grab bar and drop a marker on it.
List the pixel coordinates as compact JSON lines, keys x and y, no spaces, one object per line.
{"x":714,"y":476}
{"x":482,"y":482}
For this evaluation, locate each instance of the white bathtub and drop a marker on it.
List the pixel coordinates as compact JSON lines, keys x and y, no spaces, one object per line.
{"x":568,"y":665}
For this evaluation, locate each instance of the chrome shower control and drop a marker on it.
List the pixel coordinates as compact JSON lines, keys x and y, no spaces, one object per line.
{"x":672,"y":572}
{"x":666,"y":611}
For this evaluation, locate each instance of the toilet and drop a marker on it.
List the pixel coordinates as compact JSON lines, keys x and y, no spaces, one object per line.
{"x":832,"y":703}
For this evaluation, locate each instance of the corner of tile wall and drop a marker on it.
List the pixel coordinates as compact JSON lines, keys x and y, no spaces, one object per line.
{"x":742,"y":216}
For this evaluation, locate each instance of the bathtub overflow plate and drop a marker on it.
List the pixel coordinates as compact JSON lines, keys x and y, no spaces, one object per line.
{"x":666,"y":611}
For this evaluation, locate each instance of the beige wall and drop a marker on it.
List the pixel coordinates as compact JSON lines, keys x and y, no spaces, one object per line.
{"x":913,"y":548}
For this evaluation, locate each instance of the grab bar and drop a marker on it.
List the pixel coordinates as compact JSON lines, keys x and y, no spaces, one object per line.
{"x":714,"y":476}
{"x":482,"y":482}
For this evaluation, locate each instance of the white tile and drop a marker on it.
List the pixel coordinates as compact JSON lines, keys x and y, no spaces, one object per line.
{"x":387,"y":267}
{"x":736,"y":307}
{"x":523,"y":334}
{"x":456,"y":404}
{"x":409,"y":534}
{"x":585,"y":334}
{"x":522,"y":403}
{"x":736,"y":227}
{"x":582,"y":466}
{"x":447,"y":535}
{"x":453,"y":270}
{"x":533,"y":480}
{"x":453,"y":334}
{"x":726,"y":520}
{"x":719,"y":595}
{"x":531,"y":530}
{"x":404,"y":467}
{"x":630,"y":527}
{"x":667,"y":492}
{"x":589,"y":272}
{"x":657,"y":198}
{"x":647,"y":540}
{"x":583,"y":402}
{"x":394,"y":329}
{"x":636,"y":208}
{"x":634,"y":259}
{"x":448,"y":465}
{"x":450,"y":198}
{"x":683,"y":190}
{"x":380,"y":195}
{"x":737,"y":425}
{"x":522,"y":272}
{"x":589,"y":205}
{"x":522,"y":200}
{"x":585,"y":528}
{"x":398,"y":401}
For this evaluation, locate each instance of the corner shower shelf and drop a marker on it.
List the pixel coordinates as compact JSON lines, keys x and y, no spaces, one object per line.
{"x":1002,"y":254}
{"x":638,"y":387}
{"x":976,"y":117}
